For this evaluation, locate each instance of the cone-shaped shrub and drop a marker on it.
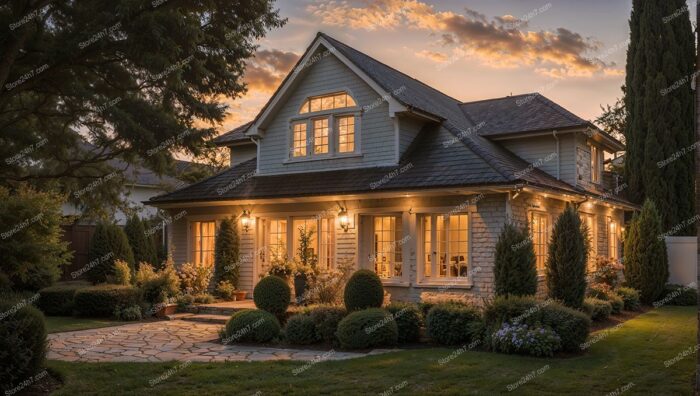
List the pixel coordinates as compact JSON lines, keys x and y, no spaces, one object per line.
{"x":646,"y":263}
{"x":142,"y":245}
{"x":109,"y":243}
{"x":226,"y":253}
{"x":515,"y":270}
{"x":566,"y":263}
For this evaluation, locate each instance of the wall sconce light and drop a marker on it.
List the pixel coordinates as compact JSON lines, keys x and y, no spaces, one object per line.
{"x":245,"y":220}
{"x":344,"y":219}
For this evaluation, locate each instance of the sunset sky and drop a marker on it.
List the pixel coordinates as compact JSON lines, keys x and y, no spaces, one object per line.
{"x":570,"y":51}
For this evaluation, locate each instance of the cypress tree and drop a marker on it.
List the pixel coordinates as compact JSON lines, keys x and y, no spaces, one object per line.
{"x":141,"y":244}
{"x":646,"y":263}
{"x":515,"y":269}
{"x":567,"y":258}
{"x":108,"y":243}
{"x":659,"y":102}
{"x":226,"y":253}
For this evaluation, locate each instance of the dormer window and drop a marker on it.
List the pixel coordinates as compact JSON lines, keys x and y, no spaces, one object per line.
{"x":325,"y":127}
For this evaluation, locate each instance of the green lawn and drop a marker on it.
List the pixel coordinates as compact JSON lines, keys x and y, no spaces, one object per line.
{"x":635,"y":353}
{"x":57,"y":324}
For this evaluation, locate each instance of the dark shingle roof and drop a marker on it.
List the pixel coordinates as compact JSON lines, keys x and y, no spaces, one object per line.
{"x":520,"y":113}
{"x":235,"y":135}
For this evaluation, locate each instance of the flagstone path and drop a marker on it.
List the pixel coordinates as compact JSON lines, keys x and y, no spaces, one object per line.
{"x":172,"y":340}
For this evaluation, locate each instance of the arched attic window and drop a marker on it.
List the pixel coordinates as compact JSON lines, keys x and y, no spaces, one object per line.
{"x":327,"y":102}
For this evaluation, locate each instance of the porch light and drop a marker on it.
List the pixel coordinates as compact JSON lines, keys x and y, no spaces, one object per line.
{"x":343,"y":219}
{"x":245,"y":220}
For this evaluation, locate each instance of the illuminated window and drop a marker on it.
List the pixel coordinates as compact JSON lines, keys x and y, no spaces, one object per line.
{"x":277,"y":239}
{"x":327,"y":102}
{"x":299,"y":145}
{"x":427,"y":246}
{"x":346,"y":134}
{"x":590,"y":221}
{"x":595,"y":165}
{"x":325,"y":256}
{"x":446,"y":246}
{"x":320,"y":127}
{"x":539,"y":229}
{"x":388,"y":260}
{"x":613,"y":240}
{"x":204,"y":237}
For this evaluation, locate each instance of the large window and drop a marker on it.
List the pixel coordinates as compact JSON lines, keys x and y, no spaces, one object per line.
{"x":346,"y":134}
{"x":204,"y":237}
{"x":613,"y":240}
{"x":590,"y":221}
{"x":387,"y":256}
{"x":446,"y":246}
{"x":595,"y":164}
{"x":539,"y":228}
{"x":320,"y":136}
{"x":299,"y":140}
{"x":277,"y":239}
{"x":327,"y":102}
{"x":322,"y":241}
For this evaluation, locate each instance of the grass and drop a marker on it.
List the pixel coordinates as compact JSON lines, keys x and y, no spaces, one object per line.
{"x":57,"y":324}
{"x":634,"y":353}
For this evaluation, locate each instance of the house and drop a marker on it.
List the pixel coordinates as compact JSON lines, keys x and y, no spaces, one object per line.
{"x":397,"y":177}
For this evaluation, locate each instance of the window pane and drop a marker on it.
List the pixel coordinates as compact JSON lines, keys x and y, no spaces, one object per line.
{"x":304,"y":107}
{"x":299,"y":147}
{"x":278,"y":239}
{"x":327,"y":103}
{"x":387,"y":256}
{"x":349,"y":100}
{"x":441,"y":236}
{"x":613,"y":241}
{"x":346,"y":134}
{"x":309,"y":225}
{"x":326,"y":250}
{"x":320,"y":136}
{"x":339,"y":101}
{"x":539,"y":230}
{"x":315,"y":104}
{"x":427,"y":247}
{"x":459,"y":245}
{"x":204,"y":237}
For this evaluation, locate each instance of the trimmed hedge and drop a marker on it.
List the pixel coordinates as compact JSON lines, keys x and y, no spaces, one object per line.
{"x":326,"y":319}
{"x":272,"y":294}
{"x":22,"y":342}
{"x":301,"y":330}
{"x":373,"y":327}
{"x":630,"y":297}
{"x":57,"y":300}
{"x":251,"y":325}
{"x":597,"y":309}
{"x":409,"y":320}
{"x":680,"y":295}
{"x":102,"y":300}
{"x":615,"y":301}
{"x":451,"y":324}
{"x":363,"y":290}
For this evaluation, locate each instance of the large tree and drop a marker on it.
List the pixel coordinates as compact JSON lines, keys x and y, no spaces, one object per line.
{"x":135,"y":79}
{"x":659,"y":104}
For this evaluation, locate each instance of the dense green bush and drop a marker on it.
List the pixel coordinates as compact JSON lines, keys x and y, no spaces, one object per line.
{"x":515,"y":269}
{"x":451,"y":324}
{"x":369,"y":328}
{"x":143,"y":246}
{"x":128,"y":314}
{"x":680,"y":295}
{"x":526,"y":340}
{"x":326,"y":319}
{"x":364,"y":290}
{"x":604,"y":293}
{"x":108,"y":243}
{"x":158,"y":286}
{"x":597,"y":309}
{"x":58,"y":299}
{"x":630,"y":297}
{"x":122,"y":273}
{"x":102,"y":300}
{"x":646,"y":263}
{"x":225,"y":290}
{"x":32,"y":249}
{"x":272,"y":294}
{"x":566,"y":261}
{"x":617,"y":303}
{"x":425,"y":306}
{"x":251,"y":325}
{"x":409,"y":320}
{"x":301,"y":330}
{"x":571,"y":325}
{"x":22,"y":341}
{"x":226,"y":253}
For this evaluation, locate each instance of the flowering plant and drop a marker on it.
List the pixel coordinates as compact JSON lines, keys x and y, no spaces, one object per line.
{"x":527,"y":340}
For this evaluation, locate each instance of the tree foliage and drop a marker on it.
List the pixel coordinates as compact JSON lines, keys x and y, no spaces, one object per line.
{"x":646,"y":262}
{"x":32,"y":250}
{"x":659,"y":103}
{"x":613,"y":118}
{"x":142,"y":245}
{"x":137,"y":80}
{"x":566,"y":263}
{"x":515,"y":269}
{"x":108,"y":244}
{"x":226,"y":253}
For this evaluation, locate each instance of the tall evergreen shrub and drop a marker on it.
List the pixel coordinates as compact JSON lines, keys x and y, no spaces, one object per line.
{"x":515,"y":268}
{"x":566,"y":264}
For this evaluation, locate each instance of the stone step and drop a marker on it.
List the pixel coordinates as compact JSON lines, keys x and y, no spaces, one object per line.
{"x":208,"y":318}
{"x":178,"y":316}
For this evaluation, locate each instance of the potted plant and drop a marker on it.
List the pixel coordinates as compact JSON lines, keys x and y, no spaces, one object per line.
{"x":281,"y":267}
{"x":240,"y":295}
{"x":305,"y":270}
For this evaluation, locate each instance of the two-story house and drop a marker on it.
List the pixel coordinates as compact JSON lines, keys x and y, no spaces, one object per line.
{"x":397,"y":177}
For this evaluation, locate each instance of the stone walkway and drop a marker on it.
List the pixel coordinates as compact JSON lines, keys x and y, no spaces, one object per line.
{"x":171,"y":340}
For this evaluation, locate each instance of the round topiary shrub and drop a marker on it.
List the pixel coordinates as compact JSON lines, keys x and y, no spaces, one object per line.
{"x":102,"y":300}
{"x":451,"y":324}
{"x":408,"y":318}
{"x":22,"y":341}
{"x":597,"y":309}
{"x":251,"y":325}
{"x":301,"y":330}
{"x":364,"y":290}
{"x":373,"y":327}
{"x":326,"y":319}
{"x":272,"y":294}
{"x":58,"y":299}
{"x":630,"y":297}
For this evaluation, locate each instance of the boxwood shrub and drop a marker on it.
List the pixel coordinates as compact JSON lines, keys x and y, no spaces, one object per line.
{"x":364,"y":290}
{"x":452,"y":324}
{"x":369,"y":328}
{"x":630,"y":297}
{"x":22,"y":341}
{"x":326,"y":319}
{"x":301,"y":330}
{"x":251,"y":325}
{"x":58,"y":299}
{"x":680,"y":295}
{"x":608,"y":295}
{"x":102,"y":300}
{"x":272,"y":294}
{"x":596,"y":308}
{"x":409,"y":320}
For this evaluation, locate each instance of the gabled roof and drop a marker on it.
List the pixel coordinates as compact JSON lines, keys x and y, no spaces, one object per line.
{"x":234,"y":136}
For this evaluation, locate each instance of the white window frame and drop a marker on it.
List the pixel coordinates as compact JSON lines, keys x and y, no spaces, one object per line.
{"x":433,"y":278}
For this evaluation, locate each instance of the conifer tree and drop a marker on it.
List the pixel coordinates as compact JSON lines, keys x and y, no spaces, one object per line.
{"x":567,"y":258}
{"x":515,"y":269}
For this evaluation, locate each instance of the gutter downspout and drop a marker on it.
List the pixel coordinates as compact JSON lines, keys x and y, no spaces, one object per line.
{"x":554,"y":133}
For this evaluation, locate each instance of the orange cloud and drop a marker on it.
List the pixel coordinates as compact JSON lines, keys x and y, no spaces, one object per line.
{"x":433,"y":56}
{"x":501,"y":42}
{"x":266,"y":70}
